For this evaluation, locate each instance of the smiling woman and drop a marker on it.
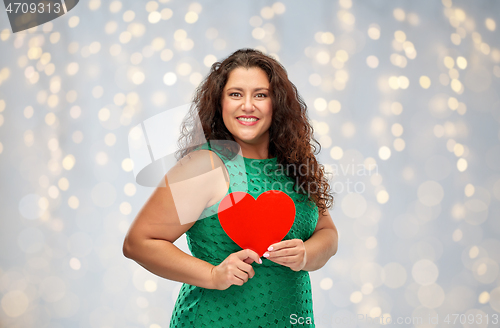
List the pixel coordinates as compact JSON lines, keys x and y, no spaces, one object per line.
{"x":247,"y":106}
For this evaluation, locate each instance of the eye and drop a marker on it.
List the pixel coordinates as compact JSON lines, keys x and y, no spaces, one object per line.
{"x":263,"y":94}
{"x":234,"y":93}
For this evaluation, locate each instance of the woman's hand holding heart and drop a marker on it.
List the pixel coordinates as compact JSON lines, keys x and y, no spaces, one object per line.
{"x":290,"y":253}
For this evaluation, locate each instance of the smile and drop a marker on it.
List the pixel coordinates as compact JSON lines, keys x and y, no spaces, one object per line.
{"x":247,"y":120}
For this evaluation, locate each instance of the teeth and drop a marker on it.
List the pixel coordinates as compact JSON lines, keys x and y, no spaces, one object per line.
{"x":247,"y":119}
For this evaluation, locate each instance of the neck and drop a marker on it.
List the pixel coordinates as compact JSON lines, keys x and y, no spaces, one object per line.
{"x":260,"y":151}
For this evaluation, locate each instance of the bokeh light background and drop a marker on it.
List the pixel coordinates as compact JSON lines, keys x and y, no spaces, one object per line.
{"x":407,"y":88}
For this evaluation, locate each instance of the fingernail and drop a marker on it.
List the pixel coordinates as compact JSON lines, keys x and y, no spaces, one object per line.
{"x":266,"y":254}
{"x":270,"y":248}
{"x":260,"y":260}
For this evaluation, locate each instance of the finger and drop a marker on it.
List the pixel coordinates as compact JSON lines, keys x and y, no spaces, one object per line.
{"x":274,"y":246}
{"x":237,"y":281}
{"x":253,"y":255}
{"x":248,"y":253}
{"x":248,"y":260}
{"x":283,"y":253}
{"x":278,"y":261}
{"x":286,"y":252}
{"x":247,"y":268}
{"x":283,"y":244}
{"x":242,"y":275}
{"x":243,"y":255}
{"x":284,"y":259}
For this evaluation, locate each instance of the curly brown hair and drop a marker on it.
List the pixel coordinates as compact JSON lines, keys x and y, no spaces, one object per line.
{"x":291,"y":137}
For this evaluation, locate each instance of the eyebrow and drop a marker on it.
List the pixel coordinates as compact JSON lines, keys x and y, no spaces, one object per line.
{"x":240,"y":89}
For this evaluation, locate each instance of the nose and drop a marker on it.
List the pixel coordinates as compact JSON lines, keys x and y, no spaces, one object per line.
{"x":248,"y":104}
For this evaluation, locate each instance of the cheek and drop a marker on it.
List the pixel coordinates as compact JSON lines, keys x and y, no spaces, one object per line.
{"x":226,"y":108}
{"x":226,"y":116}
{"x":270,"y":114}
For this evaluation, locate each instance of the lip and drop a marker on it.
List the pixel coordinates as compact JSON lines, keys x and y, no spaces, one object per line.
{"x":247,"y":123}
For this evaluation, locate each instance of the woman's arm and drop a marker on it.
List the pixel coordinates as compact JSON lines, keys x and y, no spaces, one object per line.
{"x":150,"y":238}
{"x":164,"y":259}
{"x":323,"y":243}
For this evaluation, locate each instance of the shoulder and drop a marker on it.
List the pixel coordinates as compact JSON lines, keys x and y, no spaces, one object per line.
{"x":196,"y":164}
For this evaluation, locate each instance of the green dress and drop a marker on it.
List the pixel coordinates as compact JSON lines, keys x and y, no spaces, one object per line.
{"x":276,"y":296}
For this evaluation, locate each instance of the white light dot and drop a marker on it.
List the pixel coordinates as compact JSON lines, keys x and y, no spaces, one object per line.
{"x":354,"y":205}
{"x":125,"y":208}
{"x":336,"y":153}
{"x":154,"y":17}
{"x":382,"y":196}
{"x":150,"y":286}
{"x":394,"y":275}
{"x":191,"y":17}
{"x":320,"y":104}
{"x":425,"y":272}
{"x":430,"y":193}
{"x":73,"y":21}
{"x":75,"y":263}
{"x":73,"y":202}
{"x":170,"y":78}
{"x":14,"y":303}
{"x":384,"y":152}
{"x":326,"y":283}
{"x":356,"y":297}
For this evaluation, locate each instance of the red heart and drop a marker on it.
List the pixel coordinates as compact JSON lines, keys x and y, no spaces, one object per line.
{"x":256,"y":224}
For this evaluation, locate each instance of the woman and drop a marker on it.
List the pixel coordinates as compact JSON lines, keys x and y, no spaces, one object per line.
{"x":248,"y":101}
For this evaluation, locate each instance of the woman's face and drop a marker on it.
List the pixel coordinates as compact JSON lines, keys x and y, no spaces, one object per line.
{"x":246,"y":94}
